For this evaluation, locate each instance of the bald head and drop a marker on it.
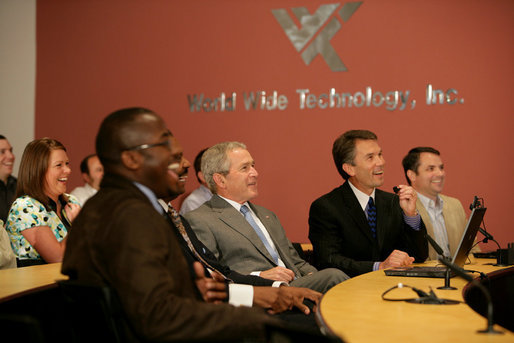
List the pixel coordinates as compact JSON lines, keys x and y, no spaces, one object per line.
{"x":135,"y":143}
{"x":122,"y":130}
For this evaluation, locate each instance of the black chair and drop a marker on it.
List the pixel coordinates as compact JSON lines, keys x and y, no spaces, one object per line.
{"x":286,"y":332}
{"x":18,"y":327}
{"x":38,"y":312}
{"x":94,"y":313}
{"x":305,"y":255}
{"x":28,"y":263}
{"x":500,"y":285}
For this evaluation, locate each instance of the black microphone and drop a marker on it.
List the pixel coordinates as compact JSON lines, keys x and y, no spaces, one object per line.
{"x":440,"y":251}
{"x":420,"y":293}
{"x":436,"y":246}
{"x":460,"y":272}
{"x":489,"y":237}
{"x":486,"y":234}
{"x":474,"y":204}
{"x":429,"y":298}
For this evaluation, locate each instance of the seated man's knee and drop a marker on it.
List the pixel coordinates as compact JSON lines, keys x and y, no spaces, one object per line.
{"x":334,"y":276}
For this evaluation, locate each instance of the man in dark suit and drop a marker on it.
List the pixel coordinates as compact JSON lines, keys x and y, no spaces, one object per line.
{"x":253,"y":241}
{"x":122,"y":239}
{"x":357,"y":227}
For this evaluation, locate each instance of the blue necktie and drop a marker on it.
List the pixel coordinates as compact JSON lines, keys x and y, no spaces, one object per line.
{"x":248,"y":216}
{"x":371,"y":211}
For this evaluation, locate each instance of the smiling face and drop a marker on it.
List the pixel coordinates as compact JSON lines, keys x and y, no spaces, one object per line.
{"x":56,"y":176}
{"x":240,"y":184}
{"x":429,"y":178}
{"x":178,"y":170}
{"x":6,"y":160}
{"x":367,"y":170}
{"x":161,"y":165}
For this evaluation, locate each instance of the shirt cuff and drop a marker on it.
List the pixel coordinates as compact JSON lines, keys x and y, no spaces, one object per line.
{"x":256,"y":273}
{"x":279,"y":283}
{"x":413,"y":222}
{"x":376,"y":266}
{"x":240,"y":295}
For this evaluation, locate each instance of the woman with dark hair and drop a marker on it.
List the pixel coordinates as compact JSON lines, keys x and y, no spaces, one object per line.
{"x":41,"y":216}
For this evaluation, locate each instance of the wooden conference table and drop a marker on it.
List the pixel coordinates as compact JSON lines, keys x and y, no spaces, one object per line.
{"x":17,"y":281}
{"x":355,"y":311}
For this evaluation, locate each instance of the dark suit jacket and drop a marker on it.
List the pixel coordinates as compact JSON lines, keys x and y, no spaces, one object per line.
{"x":121,"y":241}
{"x":209,"y":257}
{"x":341,"y":237}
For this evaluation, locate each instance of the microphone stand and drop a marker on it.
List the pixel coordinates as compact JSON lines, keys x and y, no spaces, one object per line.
{"x":478,"y":203}
{"x":439,"y":250}
{"x":447,"y":276}
{"x":460,"y":272}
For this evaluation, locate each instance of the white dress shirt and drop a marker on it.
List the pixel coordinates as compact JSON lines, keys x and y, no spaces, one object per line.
{"x":435,"y":213}
{"x":83,"y":193}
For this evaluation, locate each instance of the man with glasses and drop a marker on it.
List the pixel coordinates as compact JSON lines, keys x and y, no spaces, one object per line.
{"x":123,"y":240}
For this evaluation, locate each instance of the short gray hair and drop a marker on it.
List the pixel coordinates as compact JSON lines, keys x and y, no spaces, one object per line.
{"x":215,"y":160}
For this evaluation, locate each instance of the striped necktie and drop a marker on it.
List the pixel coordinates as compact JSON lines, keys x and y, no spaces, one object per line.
{"x":175,"y":218}
{"x":371,"y":211}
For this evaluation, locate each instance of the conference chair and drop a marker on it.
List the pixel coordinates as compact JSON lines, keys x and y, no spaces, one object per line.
{"x":38,"y":313}
{"x":94,"y":313}
{"x":289,"y":333}
{"x":20,"y":327}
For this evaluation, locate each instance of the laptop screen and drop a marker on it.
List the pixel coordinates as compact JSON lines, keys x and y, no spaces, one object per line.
{"x":469,"y":235}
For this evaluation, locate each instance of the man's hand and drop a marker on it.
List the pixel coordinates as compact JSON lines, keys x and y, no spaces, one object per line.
{"x":212,"y":290}
{"x":396,"y":259}
{"x":298,"y":294}
{"x":284,"y":298}
{"x":408,"y":197}
{"x":278,"y":274}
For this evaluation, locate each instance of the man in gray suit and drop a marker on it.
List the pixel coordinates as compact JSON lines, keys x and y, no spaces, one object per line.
{"x":246,"y":237}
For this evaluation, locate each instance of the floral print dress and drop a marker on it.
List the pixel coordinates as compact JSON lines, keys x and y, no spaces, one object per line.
{"x":25,"y":213}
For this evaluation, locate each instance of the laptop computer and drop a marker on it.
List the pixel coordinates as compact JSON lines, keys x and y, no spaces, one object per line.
{"x":461,"y":254}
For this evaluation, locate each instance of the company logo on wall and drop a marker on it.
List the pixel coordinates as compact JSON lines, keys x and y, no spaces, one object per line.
{"x":303,"y":39}
{"x":311,"y":40}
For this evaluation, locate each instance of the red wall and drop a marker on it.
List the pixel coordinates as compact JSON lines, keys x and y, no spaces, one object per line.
{"x":94,"y":57}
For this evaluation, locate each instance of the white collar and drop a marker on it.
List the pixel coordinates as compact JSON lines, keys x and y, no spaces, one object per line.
{"x":429,"y":203}
{"x":235,"y":204}
{"x":362,"y":197}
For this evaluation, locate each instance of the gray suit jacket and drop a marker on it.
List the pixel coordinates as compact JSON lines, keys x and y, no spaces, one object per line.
{"x":454,"y":220}
{"x":234,"y":242}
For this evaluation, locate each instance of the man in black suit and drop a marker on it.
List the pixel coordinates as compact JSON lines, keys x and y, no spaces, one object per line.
{"x":357,"y":227}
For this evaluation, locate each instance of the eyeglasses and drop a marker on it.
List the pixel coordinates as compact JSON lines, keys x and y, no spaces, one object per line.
{"x":166,"y":144}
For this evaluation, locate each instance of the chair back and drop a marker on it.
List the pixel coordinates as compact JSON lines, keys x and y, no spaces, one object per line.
{"x":94,"y":312}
